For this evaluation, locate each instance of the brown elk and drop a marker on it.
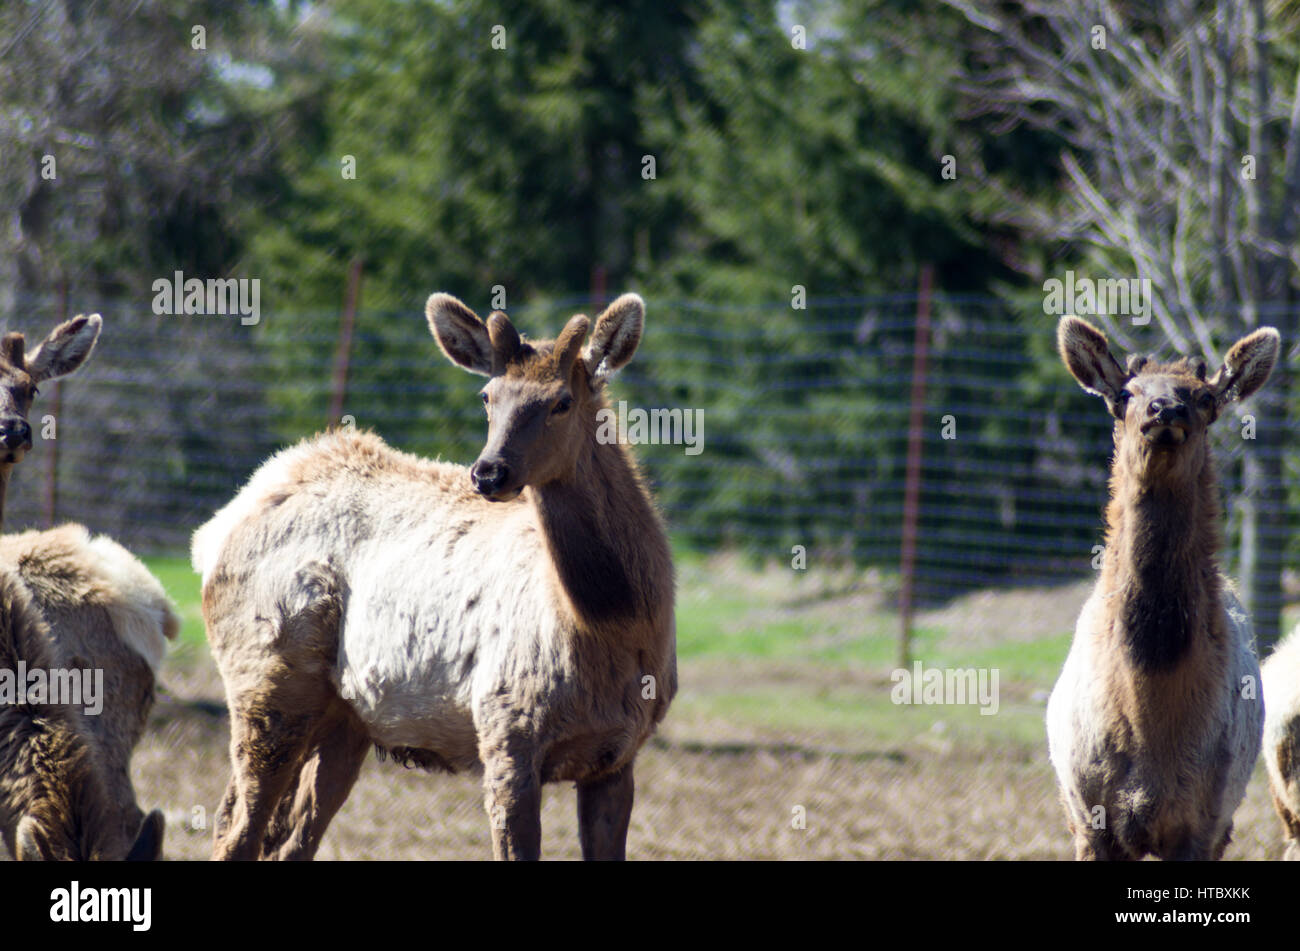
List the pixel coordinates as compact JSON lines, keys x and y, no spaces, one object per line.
{"x":72,"y":602}
{"x":1154,"y":725}
{"x":515,"y":616}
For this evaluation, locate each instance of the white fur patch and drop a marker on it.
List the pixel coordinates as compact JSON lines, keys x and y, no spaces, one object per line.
{"x":1281,"y":683}
{"x":142,"y":615}
{"x":210,"y":538}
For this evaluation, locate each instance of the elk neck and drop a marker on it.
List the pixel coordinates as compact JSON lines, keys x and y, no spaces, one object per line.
{"x":604,"y":537}
{"x":6,"y":469}
{"x":1161,"y":563}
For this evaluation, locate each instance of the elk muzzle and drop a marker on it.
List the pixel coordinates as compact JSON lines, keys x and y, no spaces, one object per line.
{"x":1167,"y":421}
{"x":15,"y":438}
{"x":492,"y":480}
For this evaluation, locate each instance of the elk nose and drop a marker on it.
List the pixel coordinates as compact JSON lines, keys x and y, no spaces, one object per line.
{"x":14,"y":433}
{"x":1166,"y":410}
{"x":489,"y":476}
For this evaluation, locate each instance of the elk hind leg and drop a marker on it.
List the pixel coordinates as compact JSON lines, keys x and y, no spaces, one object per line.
{"x":282,"y":693}
{"x":332,"y":765}
{"x":266,"y":751}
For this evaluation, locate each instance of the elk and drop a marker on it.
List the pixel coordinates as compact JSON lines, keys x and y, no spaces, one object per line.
{"x":86,"y":603}
{"x":1156,"y":720}
{"x":515,"y":616}
{"x":1281,"y":673}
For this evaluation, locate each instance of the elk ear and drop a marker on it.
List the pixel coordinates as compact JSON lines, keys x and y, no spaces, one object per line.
{"x":1087,"y":356}
{"x":149,"y":839}
{"x":460,"y":334}
{"x":569,"y":343}
{"x":615,"y":339}
{"x":68,"y":346}
{"x":11,"y":348}
{"x":505,"y":341}
{"x":30,"y":842}
{"x":1247,"y":366}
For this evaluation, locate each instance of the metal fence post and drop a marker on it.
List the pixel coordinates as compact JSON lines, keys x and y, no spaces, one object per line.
{"x":341,"y":357}
{"x":912,"y":492}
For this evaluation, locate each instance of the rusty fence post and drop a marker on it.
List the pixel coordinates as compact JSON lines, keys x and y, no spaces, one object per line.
{"x":912,"y":490}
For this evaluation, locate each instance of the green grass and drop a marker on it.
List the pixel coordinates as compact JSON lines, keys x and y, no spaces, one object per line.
{"x":778,"y":622}
{"x":183,"y":587}
{"x":857,"y":718}
{"x":822,"y":666}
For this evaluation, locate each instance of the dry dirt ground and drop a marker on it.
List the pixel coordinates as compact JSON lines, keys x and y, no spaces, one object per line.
{"x":705,"y":790}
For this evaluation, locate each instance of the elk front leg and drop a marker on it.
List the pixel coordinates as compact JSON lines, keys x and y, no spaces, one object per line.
{"x":604,"y":811}
{"x":513,"y":799}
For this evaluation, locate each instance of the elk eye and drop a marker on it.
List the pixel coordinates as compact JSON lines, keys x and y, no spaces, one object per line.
{"x":485,"y":398}
{"x":1119,"y":409}
{"x":562,"y":406}
{"x":1207,"y":400}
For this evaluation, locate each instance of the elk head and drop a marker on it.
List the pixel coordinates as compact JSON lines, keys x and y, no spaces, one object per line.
{"x":66,"y":348}
{"x":77,"y":827}
{"x":1163,"y":411}
{"x":541,"y":396}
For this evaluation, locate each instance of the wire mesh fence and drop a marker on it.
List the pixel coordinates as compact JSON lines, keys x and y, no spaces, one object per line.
{"x":798,"y":427}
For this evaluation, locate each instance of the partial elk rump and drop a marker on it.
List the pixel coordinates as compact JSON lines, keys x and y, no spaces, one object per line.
{"x":1282,"y":737}
{"x":515,"y":616}
{"x":105,"y":612}
{"x":56,"y":779}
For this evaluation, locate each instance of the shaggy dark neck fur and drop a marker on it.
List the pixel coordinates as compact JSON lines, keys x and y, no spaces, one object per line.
{"x":49,"y":776}
{"x":604,"y":536}
{"x":6,"y":469}
{"x":1162,"y":544}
